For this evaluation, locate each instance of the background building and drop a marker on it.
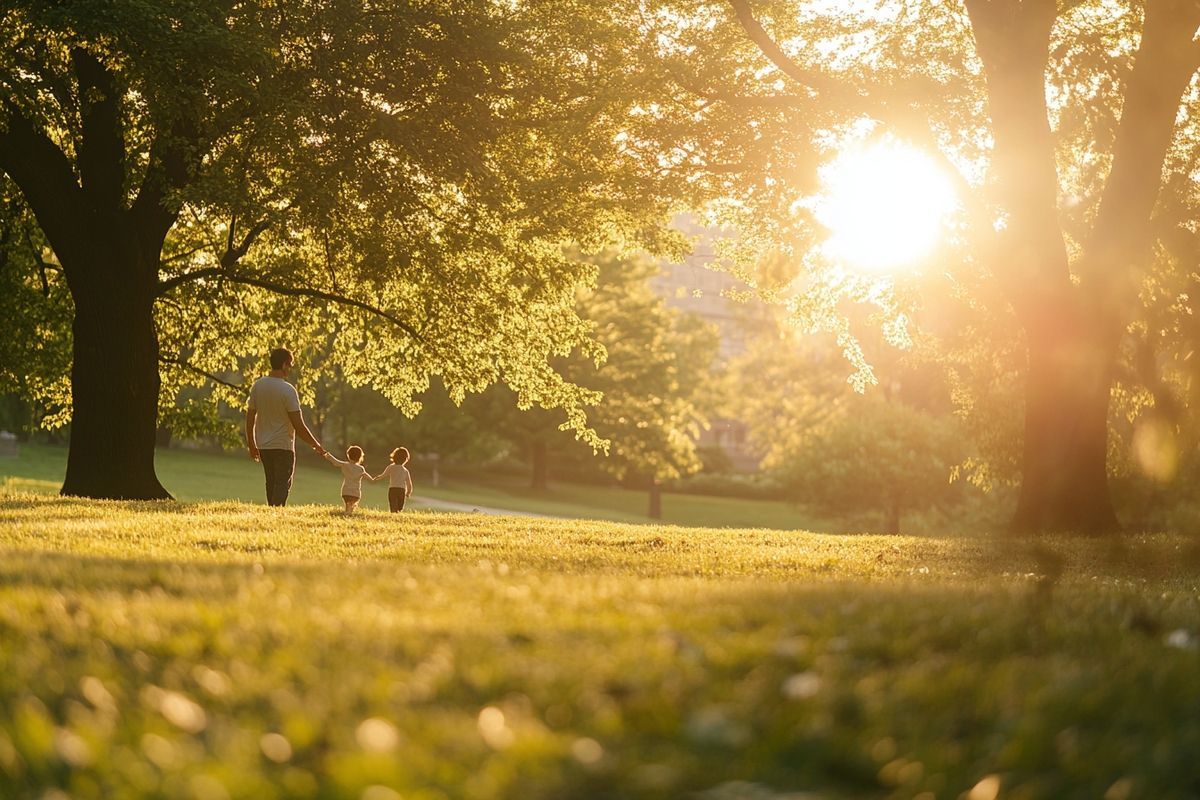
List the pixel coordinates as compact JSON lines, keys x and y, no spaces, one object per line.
{"x":695,"y":287}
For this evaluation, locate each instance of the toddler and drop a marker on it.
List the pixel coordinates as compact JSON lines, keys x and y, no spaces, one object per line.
{"x":399,"y":481}
{"x":352,"y":474}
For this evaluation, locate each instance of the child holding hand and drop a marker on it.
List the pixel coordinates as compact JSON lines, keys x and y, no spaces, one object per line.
{"x":352,"y":474}
{"x":399,"y":481}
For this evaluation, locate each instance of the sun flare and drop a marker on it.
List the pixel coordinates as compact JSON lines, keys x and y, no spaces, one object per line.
{"x":884,"y":204}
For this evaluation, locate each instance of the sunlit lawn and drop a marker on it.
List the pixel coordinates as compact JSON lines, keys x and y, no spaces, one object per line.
{"x":222,"y":650}
{"x":196,"y":475}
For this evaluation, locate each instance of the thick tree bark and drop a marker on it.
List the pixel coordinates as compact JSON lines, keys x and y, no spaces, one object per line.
{"x":1064,"y":483}
{"x":1074,"y":330}
{"x":110,"y":257}
{"x":114,"y":385}
{"x":539,"y":463}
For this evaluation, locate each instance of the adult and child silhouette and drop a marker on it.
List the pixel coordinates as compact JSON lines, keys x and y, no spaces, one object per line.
{"x":274,"y":419}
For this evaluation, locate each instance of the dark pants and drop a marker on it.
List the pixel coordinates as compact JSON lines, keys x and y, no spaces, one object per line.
{"x":278,"y":466}
{"x":396,"y":498}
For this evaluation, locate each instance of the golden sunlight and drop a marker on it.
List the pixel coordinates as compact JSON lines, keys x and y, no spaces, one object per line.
{"x":884,"y":204}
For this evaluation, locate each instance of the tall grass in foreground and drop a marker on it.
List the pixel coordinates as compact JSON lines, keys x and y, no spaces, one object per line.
{"x":220,"y":650}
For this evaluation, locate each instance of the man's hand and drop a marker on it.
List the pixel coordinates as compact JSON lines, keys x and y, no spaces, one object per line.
{"x":319,"y":450}
{"x":254,"y":452}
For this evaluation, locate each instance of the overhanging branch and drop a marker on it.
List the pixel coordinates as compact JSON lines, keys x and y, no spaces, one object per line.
{"x":44,"y":175}
{"x":805,"y":77}
{"x":190,"y":367}
{"x":233,"y":253}
{"x":175,"y":155}
{"x":287,"y":291}
{"x":1166,"y":61}
{"x":914,"y":127}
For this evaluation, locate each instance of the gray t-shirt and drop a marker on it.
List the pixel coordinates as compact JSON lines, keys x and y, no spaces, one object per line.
{"x":273,"y":398}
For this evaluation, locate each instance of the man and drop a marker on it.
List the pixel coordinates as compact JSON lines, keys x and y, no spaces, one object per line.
{"x":273,"y":419}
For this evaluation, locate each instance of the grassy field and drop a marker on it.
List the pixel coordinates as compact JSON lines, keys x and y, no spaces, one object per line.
{"x":194,"y":475}
{"x":223,"y":650}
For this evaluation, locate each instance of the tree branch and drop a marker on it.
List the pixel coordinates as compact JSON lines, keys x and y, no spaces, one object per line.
{"x":1165,"y":62}
{"x":1013,"y":41}
{"x":183,"y":254}
{"x":234,"y":254}
{"x":288,"y":291}
{"x":43,"y":265}
{"x":333,"y":281}
{"x":44,"y":175}
{"x":179,"y":362}
{"x":914,"y":128}
{"x":101,"y":158}
{"x":175,"y":156}
{"x":812,"y":79}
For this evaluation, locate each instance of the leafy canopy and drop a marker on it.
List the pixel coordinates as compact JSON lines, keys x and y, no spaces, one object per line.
{"x":393,"y":187}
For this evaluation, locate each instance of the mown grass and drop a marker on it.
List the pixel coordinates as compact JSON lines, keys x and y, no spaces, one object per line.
{"x":220,"y":650}
{"x":192,"y":475}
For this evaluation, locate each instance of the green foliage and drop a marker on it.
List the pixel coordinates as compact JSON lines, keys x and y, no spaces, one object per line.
{"x":655,"y":377}
{"x":849,"y":73}
{"x":35,"y":308}
{"x":443,"y":427}
{"x":874,"y":453}
{"x":651,"y":372}
{"x":758,"y":486}
{"x":222,"y":650}
{"x":393,"y":189}
{"x":832,"y":448}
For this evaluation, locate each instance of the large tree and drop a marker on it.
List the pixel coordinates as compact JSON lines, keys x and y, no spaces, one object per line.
{"x":213,"y":178}
{"x":886,"y":453}
{"x":655,"y":380}
{"x":1062,"y":123}
{"x":652,"y":378}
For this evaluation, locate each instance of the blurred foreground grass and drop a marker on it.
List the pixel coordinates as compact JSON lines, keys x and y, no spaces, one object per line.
{"x":220,"y":650}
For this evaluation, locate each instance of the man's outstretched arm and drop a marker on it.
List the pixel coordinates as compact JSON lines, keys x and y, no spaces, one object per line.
{"x":250,"y":443}
{"x":297,"y":418}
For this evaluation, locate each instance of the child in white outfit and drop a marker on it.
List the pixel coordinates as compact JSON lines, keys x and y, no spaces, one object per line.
{"x":399,"y":481}
{"x":352,"y":474}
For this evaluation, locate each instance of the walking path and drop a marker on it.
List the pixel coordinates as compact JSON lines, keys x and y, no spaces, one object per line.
{"x":469,"y":508}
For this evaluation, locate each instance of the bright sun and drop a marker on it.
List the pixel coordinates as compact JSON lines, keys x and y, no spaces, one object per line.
{"x":884,"y":204}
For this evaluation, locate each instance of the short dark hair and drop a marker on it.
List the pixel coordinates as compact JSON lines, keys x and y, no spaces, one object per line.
{"x":354,"y":453}
{"x":400,"y":455}
{"x":280,"y":357}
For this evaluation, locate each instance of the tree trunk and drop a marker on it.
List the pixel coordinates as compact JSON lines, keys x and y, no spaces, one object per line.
{"x":114,"y":394}
{"x":893,"y":513}
{"x":1064,"y":482}
{"x":109,"y":253}
{"x":655,"y":510}
{"x":539,"y":462}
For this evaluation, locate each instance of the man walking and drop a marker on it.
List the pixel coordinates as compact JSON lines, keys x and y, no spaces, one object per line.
{"x":273,"y":419}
